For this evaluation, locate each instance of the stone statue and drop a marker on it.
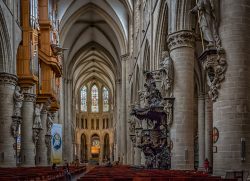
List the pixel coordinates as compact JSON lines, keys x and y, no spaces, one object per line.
{"x":167,"y":75}
{"x":37,"y":121}
{"x":168,"y":108}
{"x":208,"y":22}
{"x":50,"y":119}
{"x":18,"y":101}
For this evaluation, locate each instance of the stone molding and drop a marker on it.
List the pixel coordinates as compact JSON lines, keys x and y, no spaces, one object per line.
{"x":28,"y":97}
{"x":6,"y":78}
{"x":215,"y":65}
{"x":180,"y":39}
{"x":124,"y":57}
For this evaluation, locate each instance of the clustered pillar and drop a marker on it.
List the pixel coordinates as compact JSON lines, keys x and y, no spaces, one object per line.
{"x":123,"y":113}
{"x":41,"y":153}
{"x":201,"y":129}
{"x":28,"y":149}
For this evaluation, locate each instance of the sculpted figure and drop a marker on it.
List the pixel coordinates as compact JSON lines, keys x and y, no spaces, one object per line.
{"x":37,"y":120}
{"x":49,"y":123}
{"x":208,"y":22}
{"x":167,"y":75}
{"x":18,"y":101}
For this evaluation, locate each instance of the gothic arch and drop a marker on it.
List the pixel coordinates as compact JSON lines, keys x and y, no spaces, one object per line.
{"x":5,"y":48}
{"x":106,"y":147}
{"x":84,"y":152}
{"x":161,"y":37}
{"x":146,"y":57}
{"x":180,"y":19}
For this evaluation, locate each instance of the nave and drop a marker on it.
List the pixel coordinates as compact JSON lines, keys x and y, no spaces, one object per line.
{"x":158,"y":84}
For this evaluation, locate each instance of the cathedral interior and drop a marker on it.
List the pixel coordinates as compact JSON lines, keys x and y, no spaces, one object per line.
{"x":158,"y":84}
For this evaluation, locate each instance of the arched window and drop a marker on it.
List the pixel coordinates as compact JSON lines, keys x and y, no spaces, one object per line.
{"x":105,"y":95}
{"x":94,"y":97}
{"x":84,"y":99}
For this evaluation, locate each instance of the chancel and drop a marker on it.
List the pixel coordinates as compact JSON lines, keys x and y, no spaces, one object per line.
{"x":124,"y":89}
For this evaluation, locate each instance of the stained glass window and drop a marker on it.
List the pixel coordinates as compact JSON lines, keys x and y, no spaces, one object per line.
{"x":84,"y":99}
{"x":94,"y":97}
{"x":105,"y":95}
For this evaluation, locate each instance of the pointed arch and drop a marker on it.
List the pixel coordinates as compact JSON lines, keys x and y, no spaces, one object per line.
{"x":161,"y":44}
{"x":5,"y":48}
{"x":106,"y":150}
{"x":84,"y":155}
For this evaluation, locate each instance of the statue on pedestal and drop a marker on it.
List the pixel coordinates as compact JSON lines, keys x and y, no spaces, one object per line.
{"x":37,"y":121}
{"x":18,"y":101}
{"x":167,"y":75}
{"x":49,"y":123}
{"x":208,"y":23}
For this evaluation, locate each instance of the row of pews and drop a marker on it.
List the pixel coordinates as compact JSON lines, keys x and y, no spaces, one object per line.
{"x":37,"y":173}
{"x":127,"y":173}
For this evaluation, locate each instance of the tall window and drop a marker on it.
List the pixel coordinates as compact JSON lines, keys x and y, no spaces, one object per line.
{"x":105,"y":95}
{"x":94,"y":97}
{"x":84,"y":99}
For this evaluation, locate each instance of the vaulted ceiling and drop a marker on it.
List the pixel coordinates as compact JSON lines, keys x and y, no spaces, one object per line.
{"x":96,"y":35}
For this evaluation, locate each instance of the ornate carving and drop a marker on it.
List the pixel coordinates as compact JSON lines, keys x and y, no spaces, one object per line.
{"x":16,"y":122}
{"x":28,"y":97}
{"x":37,"y":119}
{"x":181,"y":39}
{"x":6,"y":78}
{"x":215,"y":65}
{"x":168,"y":108}
{"x":50,"y":119}
{"x":37,"y":124}
{"x":132,"y":124}
{"x":167,"y":75}
{"x":18,"y":101}
{"x":35,"y":135}
{"x":149,"y":126}
{"x":153,"y":95}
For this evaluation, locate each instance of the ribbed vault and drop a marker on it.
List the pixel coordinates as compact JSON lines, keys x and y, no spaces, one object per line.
{"x":96,"y":35}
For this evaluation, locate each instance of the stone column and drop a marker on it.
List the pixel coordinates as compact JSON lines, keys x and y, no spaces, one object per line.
{"x":129,"y":143}
{"x":28,"y":149}
{"x":208,"y":129}
{"x":231,"y":111}
{"x":118,"y":122}
{"x":124,"y":121}
{"x":182,"y":134}
{"x":67,"y":136}
{"x":7,"y":152}
{"x":41,"y":150}
{"x":201,"y":129}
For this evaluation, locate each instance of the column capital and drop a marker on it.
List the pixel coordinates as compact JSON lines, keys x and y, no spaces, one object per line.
{"x":6,"y":78}
{"x":28,"y":97}
{"x":201,"y":96}
{"x":118,"y":81}
{"x":125,"y":57}
{"x":184,"y":38}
